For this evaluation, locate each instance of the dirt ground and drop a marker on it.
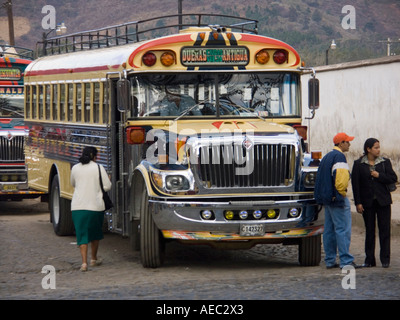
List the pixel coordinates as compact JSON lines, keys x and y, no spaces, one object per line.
{"x":28,"y":243}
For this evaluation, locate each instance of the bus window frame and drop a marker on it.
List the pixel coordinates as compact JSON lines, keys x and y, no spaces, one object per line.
{"x":34,"y":114}
{"x":28,"y":102}
{"x":133,"y":79}
{"x":55,"y":115}
{"x":60,"y":102}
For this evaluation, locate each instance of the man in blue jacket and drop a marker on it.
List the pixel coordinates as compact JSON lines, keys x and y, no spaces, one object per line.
{"x":330,"y":190}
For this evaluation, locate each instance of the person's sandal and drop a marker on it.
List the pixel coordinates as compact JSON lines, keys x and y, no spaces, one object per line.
{"x":96,"y":263}
{"x":84,"y":267}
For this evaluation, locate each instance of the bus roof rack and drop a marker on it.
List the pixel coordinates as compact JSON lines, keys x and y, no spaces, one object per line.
{"x":15,"y":52}
{"x":140,"y":30}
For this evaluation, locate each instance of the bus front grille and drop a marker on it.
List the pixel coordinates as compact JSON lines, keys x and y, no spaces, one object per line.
{"x":12,"y":149}
{"x":262,"y":165}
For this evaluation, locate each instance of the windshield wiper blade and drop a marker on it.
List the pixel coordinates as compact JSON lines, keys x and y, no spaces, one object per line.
{"x":185,"y":112}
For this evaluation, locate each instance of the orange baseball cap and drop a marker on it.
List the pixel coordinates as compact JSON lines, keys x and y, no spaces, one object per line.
{"x":342,"y":137}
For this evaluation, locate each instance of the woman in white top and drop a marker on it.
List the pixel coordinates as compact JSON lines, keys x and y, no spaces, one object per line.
{"x":87,"y":204}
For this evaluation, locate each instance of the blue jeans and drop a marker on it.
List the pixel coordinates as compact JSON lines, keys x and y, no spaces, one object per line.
{"x":337,"y":234}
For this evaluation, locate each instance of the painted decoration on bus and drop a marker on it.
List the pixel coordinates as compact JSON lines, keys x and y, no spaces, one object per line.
{"x":206,"y":56}
{"x":12,"y":90}
{"x":10,"y":74}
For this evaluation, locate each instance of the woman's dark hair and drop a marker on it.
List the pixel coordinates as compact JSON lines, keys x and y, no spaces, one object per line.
{"x":88,"y":154}
{"x":369,"y":143}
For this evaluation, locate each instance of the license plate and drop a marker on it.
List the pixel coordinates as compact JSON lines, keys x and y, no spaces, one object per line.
{"x":10,"y":187}
{"x":251,"y":230}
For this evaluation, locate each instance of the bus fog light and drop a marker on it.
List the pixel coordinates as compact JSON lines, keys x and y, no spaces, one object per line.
{"x":271,"y":213}
{"x":257,"y":214}
{"x":243,"y":214}
{"x":229,"y":214}
{"x":293,"y":213}
{"x":206,"y":214}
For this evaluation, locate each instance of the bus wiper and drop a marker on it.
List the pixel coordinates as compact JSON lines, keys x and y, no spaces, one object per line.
{"x":258,"y":116}
{"x":185,"y":112}
{"x":14,"y":110}
{"x":248,"y":110}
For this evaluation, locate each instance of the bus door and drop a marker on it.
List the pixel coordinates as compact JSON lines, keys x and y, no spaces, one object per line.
{"x":120,"y":213}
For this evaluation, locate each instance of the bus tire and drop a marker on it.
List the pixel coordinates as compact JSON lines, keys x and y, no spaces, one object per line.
{"x":60,"y":211}
{"x":310,"y":251}
{"x":151,"y":240}
{"x":134,"y":234}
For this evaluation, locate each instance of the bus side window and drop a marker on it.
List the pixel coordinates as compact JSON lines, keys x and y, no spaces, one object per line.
{"x":87,"y":91}
{"x":28,"y":102}
{"x":40,"y":102}
{"x":78,"y":102}
{"x":34,"y":102}
{"x":70,"y":104}
{"x":47,"y":101}
{"x":63,"y":100}
{"x":104,"y":103}
{"x":96,"y":102}
{"x":54,"y":106}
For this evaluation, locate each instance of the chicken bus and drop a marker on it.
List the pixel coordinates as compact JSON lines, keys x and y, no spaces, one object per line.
{"x":13,"y":170}
{"x":198,"y":124}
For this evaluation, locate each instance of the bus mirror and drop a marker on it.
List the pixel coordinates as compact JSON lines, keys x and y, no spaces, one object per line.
{"x":123,"y":101}
{"x":313,"y":93}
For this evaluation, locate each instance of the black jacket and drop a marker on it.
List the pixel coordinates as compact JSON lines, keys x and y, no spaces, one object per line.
{"x":366,"y":188}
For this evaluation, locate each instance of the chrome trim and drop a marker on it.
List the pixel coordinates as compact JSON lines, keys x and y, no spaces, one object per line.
{"x":249,"y":161}
{"x":12,"y":146}
{"x":173,"y":215}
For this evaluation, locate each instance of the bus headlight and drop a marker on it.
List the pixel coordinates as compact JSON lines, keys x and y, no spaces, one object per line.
{"x":176,"y":183}
{"x":173,"y":181}
{"x":309,"y":179}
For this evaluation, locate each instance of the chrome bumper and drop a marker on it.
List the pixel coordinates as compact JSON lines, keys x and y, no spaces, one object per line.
{"x":185,"y":215}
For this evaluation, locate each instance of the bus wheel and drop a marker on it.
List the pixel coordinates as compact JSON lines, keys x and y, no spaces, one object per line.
{"x":310,"y":251}
{"x":60,"y":211}
{"x":134,"y":234}
{"x":152,"y":246}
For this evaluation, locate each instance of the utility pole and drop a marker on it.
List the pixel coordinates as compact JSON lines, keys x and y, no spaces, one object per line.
{"x":389,"y":45}
{"x":180,"y":13}
{"x":8,"y":6}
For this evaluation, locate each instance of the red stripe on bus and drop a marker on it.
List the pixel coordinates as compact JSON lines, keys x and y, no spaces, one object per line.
{"x":63,"y":71}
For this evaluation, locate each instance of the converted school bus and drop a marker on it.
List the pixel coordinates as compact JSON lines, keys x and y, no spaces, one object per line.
{"x":200,"y":131}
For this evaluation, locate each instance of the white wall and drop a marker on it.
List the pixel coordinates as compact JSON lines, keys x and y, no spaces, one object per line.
{"x":362,"y":99}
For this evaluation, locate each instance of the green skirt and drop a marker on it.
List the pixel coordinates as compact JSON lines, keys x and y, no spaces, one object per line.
{"x":88,"y":225}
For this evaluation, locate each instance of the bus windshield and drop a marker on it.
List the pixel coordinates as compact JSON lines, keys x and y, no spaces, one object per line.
{"x":209,"y":94}
{"x":9,"y":109}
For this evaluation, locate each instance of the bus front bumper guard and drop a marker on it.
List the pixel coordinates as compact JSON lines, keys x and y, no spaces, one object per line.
{"x":172,"y":217}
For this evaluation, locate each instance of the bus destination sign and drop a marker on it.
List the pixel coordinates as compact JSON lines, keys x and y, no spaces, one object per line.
{"x":10,"y":74}
{"x":215,"y":56}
